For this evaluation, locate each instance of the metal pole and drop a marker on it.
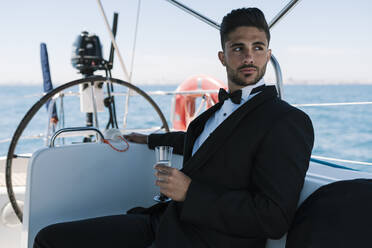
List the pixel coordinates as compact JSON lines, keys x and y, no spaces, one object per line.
{"x":278,"y":76}
{"x":195,"y":14}
{"x":283,"y":12}
{"x":93,"y":93}
{"x":214,"y":24}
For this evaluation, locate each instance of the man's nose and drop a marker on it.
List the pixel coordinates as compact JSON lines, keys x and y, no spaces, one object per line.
{"x":247,"y":57}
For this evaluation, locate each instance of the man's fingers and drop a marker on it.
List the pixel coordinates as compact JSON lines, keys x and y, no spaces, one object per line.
{"x":159,"y":173}
{"x":161,"y":176}
{"x":128,"y":136}
{"x":162,"y":167}
{"x":172,"y":182}
{"x":160,"y":182}
{"x":136,"y":138}
{"x":165,"y":192}
{"x":164,"y":188}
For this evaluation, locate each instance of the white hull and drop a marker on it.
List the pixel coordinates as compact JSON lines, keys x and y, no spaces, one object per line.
{"x":10,"y":228}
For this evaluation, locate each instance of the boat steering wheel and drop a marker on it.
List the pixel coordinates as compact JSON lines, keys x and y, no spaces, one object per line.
{"x":36,"y":107}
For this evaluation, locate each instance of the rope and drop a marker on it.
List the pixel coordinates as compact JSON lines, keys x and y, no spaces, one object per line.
{"x":342,"y":160}
{"x":112,"y":38}
{"x":116,"y":149}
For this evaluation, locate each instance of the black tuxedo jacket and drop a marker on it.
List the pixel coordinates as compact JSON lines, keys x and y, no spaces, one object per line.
{"x":246,"y":177}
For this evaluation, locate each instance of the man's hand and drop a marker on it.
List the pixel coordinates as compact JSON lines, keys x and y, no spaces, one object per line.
{"x":172,"y":182}
{"x":136,"y":138}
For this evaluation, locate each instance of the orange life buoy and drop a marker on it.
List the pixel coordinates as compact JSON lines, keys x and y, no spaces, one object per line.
{"x":184,"y":104}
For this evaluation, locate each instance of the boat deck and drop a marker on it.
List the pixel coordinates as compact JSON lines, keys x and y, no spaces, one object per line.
{"x":19,"y":171}
{"x":18,"y":179}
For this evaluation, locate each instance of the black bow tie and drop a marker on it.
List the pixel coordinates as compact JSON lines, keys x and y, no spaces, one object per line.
{"x":236,"y":96}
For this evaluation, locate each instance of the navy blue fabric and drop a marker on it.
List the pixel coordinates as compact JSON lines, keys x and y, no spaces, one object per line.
{"x":48,"y":86}
{"x":336,"y":215}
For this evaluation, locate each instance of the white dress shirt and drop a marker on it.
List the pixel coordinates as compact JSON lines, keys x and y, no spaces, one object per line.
{"x":225,"y":111}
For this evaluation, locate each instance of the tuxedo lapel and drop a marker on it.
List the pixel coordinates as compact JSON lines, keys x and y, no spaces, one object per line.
{"x":223,"y":131}
{"x":196,"y":127}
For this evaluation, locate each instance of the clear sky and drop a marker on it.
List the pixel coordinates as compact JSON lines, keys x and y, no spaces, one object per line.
{"x":318,"y":42}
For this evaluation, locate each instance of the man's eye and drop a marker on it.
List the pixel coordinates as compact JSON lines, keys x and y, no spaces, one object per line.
{"x":258,"y":48}
{"x":237,"y":49}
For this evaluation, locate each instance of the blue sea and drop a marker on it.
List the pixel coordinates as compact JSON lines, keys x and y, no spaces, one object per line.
{"x":343,"y":132}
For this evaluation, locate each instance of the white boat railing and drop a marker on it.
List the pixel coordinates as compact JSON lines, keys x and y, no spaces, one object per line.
{"x":191,"y":92}
{"x":341,"y":160}
{"x":331,"y":104}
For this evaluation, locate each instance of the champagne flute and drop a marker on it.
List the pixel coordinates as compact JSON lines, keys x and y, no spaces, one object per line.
{"x":163,"y":155}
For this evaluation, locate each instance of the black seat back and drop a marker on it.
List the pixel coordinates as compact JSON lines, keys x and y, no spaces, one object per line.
{"x":336,"y":215}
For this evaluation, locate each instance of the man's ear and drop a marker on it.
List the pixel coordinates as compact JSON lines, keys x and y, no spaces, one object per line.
{"x":221,"y":57}
{"x":268,"y":54}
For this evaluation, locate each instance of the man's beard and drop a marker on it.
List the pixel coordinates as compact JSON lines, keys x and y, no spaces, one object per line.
{"x":234,"y":77}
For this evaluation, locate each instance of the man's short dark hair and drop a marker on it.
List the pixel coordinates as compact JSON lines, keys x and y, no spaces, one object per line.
{"x":250,"y":17}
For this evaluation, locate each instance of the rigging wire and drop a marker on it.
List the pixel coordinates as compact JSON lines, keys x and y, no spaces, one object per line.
{"x":108,"y":102}
{"x":113,"y":102}
{"x":126,"y":107}
{"x":113,"y":39}
{"x":135,"y":40}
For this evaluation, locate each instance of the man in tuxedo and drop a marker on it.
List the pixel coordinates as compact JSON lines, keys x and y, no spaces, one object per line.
{"x":244,"y":165}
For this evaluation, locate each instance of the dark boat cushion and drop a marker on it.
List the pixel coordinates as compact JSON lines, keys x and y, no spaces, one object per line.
{"x":336,"y":215}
